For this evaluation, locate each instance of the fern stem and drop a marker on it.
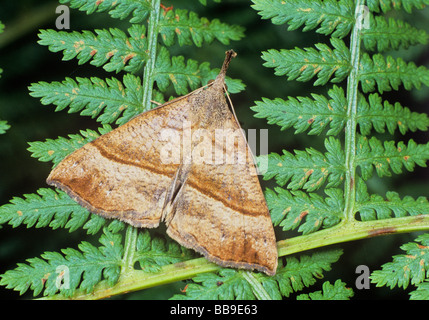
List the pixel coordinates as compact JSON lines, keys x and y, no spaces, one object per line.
{"x":257,"y":287}
{"x":129,"y":249}
{"x":352,"y":230}
{"x":350,"y":133}
{"x":131,"y":234}
{"x":152,"y":36}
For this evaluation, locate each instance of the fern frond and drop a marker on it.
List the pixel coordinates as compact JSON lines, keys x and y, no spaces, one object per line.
{"x":330,"y":17}
{"x":315,"y":115}
{"x":72,"y":269}
{"x":303,"y":65}
{"x":411,"y":267}
{"x":337,"y":291}
{"x":387,"y":73}
{"x":308,"y":169}
{"x":56,"y":150}
{"x":112,"y":48}
{"x":153,"y":253}
{"x":303,"y":113}
{"x":191,"y":29}
{"x":422,"y":292}
{"x":386,"y":157}
{"x":387,"y":5}
{"x":139,"y":9}
{"x":379,"y":115}
{"x":311,"y":212}
{"x":371,"y":207}
{"x":49,"y":208}
{"x":385,"y":34}
{"x":174,"y":70}
{"x":107,"y":100}
{"x":3,"y":126}
{"x":228,"y":284}
{"x":292,"y":277}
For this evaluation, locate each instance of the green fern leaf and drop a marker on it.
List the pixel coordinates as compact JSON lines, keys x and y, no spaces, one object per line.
{"x":140,"y":9}
{"x":337,"y":291}
{"x":422,"y":292}
{"x":387,"y":5}
{"x":49,"y":208}
{"x":232,"y":284}
{"x":411,"y":267}
{"x":178,"y":73}
{"x":380,"y":115}
{"x":3,"y":126}
{"x":190,"y":29}
{"x":153,"y":253}
{"x":310,"y":212}
{"x":303,"y":65}
{"x":307,"y":169}
{"x":183,"y":75}
{"x":107,"y":100}
{"x":389,"y":157}
{"x":391,"y":34}
{"x":388,"y":73}
{"x":303,"y":113}
{"x":371,"y":207}
{"x":111,"y":48}
{"x":329,"y":17}
{"x":56,"y":150}
{"x":227,"y":284}
{"x":55,"y":272}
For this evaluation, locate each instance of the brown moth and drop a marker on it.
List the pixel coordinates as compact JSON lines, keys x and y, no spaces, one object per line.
{"x":185,"y":163}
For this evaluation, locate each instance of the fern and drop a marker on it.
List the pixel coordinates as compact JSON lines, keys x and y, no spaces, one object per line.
{"x":89,"y":262}
{"x":405,"y":269}
{"x":321,"y":194}
{"x":337,"y":291}
{"x":350,"y":116}
{"x":292,"y":277}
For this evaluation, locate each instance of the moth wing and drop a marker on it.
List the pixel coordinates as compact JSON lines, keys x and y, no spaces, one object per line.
{"x":221,"y":211}
{"x":125,"y":174}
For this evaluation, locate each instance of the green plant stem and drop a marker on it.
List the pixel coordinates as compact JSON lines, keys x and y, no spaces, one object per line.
{"x":131,"y":234}
{"x":257,"y":287}
{"x":129,"y":249}
{"x":152,"y":36}
{"x":350,"y":132}
{"x":134,"y":280}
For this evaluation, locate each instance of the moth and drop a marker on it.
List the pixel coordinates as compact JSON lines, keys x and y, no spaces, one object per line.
{"x":187,"y":164}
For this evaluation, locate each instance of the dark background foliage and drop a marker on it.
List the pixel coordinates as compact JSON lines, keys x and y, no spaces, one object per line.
{"x":24,"y":62}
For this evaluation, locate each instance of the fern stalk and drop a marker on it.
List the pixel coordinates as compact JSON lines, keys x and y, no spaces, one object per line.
{"x":350,"y":132}
{"x":130,"y":243}
{"x":257,"y":287}
{"x":152,"y":35}
{"x":148,"y":80}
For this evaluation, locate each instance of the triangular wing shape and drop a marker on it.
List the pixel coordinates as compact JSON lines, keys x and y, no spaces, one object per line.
{"x":220,"y":211}
{"x":120,"y":174}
